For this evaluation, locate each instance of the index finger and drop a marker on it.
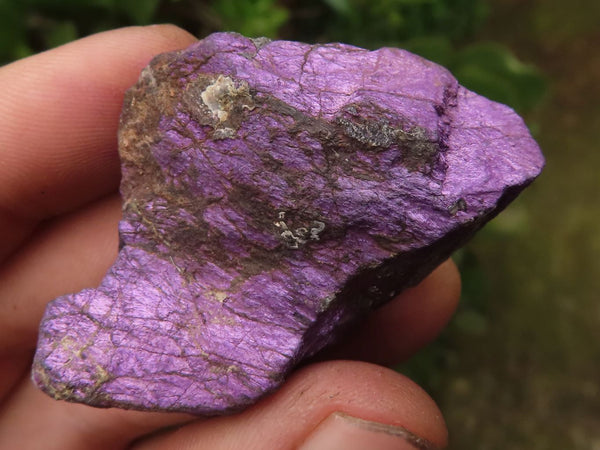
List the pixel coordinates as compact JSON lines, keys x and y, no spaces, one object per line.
{"x":59,"y":113}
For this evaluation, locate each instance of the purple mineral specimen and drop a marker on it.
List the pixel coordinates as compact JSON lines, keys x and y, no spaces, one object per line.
{"x":273,"y":193}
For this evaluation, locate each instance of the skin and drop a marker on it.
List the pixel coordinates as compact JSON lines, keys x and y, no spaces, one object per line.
{"x":59,"y":209}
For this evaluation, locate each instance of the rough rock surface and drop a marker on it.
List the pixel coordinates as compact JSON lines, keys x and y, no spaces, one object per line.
{"x":273,"y":193}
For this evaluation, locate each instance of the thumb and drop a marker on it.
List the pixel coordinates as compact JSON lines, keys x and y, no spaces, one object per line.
{"x":332,"y":405}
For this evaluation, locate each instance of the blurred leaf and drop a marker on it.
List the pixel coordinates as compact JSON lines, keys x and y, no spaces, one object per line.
{"x":340,"y":6}
{"x":12,"y":31}
{"x":375,"y":23}
{"x":435,"y":48}
{"x":491,"y":69}
{"x":108,"y":4}
{"x":493,"y":56}
{"x":70,"y":5}
{"x":142,"y":12}
{"x":60,"y":33}
{"x":251,"y":17}
{"x":21,"y":50}
{"x":412,"y":2}
{"x":488,"y":83}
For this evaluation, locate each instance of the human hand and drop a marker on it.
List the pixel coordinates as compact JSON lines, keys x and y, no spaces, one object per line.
{"x":59,"y":209}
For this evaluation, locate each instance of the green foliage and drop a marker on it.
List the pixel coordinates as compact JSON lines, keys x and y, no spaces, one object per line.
{"x":251,"y":17}
{"x":374,"y":23}
{"x":141,"y":12}
{"x":28,"y":26}
{"x":492,"y":70}
{"x":13,"y":34}
{"x":61,"y":33}
{"x":341,"y":7}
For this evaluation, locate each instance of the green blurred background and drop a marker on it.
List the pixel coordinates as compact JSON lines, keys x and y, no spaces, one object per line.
{"x":518,"y":367}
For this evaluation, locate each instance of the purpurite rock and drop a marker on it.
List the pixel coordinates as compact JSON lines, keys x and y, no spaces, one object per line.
{"x":273,"y":193}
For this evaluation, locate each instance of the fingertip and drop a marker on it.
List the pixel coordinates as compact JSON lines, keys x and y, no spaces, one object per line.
{"x":447,"y":276}
{"x":287,"y":419}
{"x":369,"y":392}
{"x":171,"y":33}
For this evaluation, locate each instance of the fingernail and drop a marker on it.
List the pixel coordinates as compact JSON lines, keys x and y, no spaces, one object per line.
{"x":344,"y":432}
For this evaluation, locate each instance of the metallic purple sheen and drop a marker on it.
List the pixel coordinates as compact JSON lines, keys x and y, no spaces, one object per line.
{"x":274,"y":192}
